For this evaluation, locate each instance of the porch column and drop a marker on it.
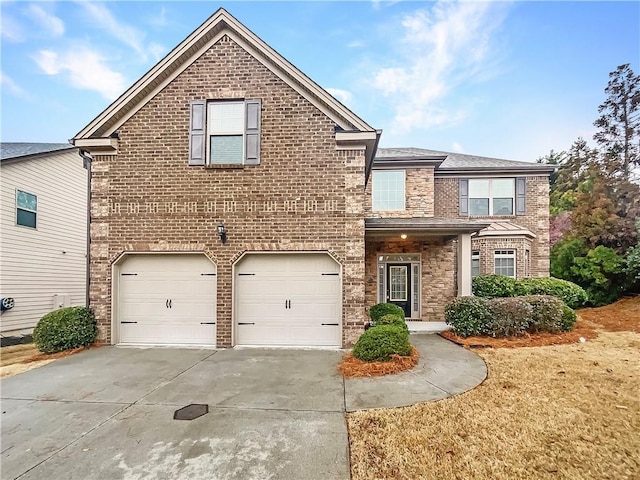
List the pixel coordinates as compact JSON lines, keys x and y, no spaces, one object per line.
{"x":464,"y":264}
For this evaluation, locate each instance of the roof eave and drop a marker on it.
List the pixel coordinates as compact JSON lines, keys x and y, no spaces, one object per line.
{"x":219,"y":23}
{"x":498,"y":170}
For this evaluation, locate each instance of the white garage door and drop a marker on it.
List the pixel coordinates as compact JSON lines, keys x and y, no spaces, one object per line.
{"x":167,"y":299}
{"x":288,"y":300}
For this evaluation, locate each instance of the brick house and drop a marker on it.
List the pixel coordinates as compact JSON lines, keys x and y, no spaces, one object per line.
{"x":235,"y":202}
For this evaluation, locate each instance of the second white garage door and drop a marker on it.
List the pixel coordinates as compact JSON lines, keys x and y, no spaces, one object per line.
{"x":167,"y":300}
{"x":288,"y":300}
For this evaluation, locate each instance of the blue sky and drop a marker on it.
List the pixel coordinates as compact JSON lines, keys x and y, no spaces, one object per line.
{"x":502,"y":79}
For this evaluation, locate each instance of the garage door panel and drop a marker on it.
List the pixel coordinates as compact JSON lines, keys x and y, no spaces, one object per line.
{"x":168,"y":298}
{"x":286,"y":299}
{"x":159,"y":334}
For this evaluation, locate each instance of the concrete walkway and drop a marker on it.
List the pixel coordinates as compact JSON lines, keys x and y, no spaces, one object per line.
{"x":273,"y":414}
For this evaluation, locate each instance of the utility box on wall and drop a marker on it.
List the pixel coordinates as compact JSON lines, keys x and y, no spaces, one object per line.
{"x":61,"y":300}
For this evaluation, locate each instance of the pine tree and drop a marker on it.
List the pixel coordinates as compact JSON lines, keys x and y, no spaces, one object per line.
{"x":619,"y":122}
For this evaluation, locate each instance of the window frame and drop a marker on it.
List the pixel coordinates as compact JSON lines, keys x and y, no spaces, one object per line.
{"x":491,"y":197}
{"x":18,"y":208}
{"x":377,"y":208}
{"x":505,"y":253}
{"x":210,"y":135}
{"x":475,"y":258}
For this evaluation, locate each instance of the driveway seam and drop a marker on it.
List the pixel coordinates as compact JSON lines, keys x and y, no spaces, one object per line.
{"x":166,"y":382}
{"x":84,"y":434}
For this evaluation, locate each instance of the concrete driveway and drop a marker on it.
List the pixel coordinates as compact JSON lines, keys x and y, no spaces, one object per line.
{"x":273,"y":414}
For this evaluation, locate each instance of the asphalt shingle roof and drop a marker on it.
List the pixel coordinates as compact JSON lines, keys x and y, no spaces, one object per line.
{"x":15,"y":150}
{"x":454,"y":160}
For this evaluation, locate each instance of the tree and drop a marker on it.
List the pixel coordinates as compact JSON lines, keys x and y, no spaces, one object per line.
{"x":619,"y":123}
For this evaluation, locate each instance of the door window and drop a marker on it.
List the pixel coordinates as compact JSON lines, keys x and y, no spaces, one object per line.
{"x":398,"y":283}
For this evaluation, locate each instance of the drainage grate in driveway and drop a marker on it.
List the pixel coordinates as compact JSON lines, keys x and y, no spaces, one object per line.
{"x":191,"y":412}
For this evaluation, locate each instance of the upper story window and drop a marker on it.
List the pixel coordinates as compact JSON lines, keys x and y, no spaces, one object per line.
{"x":388,"y":190}
{"x":26,"y":209}
{"x":224,"y":132}
{"x":491,"y":196}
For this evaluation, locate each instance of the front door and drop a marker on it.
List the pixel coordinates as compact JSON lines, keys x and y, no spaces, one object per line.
{"x":399,"y":286}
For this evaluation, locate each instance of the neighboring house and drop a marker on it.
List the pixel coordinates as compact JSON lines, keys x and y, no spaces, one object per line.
{"x":43,"y":246}
{"x":231,"y":205}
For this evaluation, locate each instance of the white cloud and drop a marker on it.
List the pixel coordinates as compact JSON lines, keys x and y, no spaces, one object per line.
{"x":356,"y":44}
{"x":83,"y":68}
{"x":342,"y":95}
{"x":49,"y":22}
{"x":11,"y":30}
{"x":12,"y":87}
{"x":156,"y":50}
{"x":457,"y":148}
{"x":105,"y":20}
{"x":159,"y":20}
{"x":441,"y":48}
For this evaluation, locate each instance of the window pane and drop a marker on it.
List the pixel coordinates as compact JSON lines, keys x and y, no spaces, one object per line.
{"x":398,"y":284}
{"x":479,"y":206}
{"x":226,"y":117}
{"x":226,"y":149}
{"x":478,"y":188}
{"x":503,"y":206}
{"x":502,"y":188}
{"x":388,"y":191}
{"x":26,"y":200}
{"x":26,"y":219}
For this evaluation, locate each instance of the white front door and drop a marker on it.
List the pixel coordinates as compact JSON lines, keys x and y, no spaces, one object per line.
{"x":288,"y":300}
{"x":167,"y":300}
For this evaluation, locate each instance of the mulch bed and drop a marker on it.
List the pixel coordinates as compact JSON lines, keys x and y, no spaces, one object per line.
{"x":351,"y":367}
{"x":583,"y":329}
{"x":621,"y":316}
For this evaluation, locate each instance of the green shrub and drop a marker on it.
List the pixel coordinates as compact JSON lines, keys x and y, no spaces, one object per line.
{"x":468,"y":316}
{"x":66,"y":328}
{"x":568,"y":319}
{"x":602,"y":272}
{"x":381,"y":309}
{"x":570,"y":293}
{"x":378,"y":343}
{"x":510,"y":317}
{"x":546,"y":315}
{"x":491,"y":286}
{"x":392,"y":319}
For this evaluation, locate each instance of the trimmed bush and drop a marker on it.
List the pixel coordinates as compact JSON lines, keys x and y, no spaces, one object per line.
{"x":510,"y":317}
{"x":380,"y":342}
{"x":392,"y":319}
{"x":569,"y":318}
{"x":570,"y":293}
{"x":381,"y":309}
{"x":66,"y":328}
{"x":546,"y":315}
{"x":468,"y":316}
{"x":492,"y":286}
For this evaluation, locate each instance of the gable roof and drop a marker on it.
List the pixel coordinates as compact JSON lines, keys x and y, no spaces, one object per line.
{"x":458,"y":162}
{"x":189,"y":50}
{"x":12,"y":150}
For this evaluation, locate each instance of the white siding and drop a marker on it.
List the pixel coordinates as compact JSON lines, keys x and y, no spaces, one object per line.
{"x":36,"y":265}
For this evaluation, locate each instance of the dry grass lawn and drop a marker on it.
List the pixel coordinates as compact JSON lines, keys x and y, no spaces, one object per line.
{"x":17,"y":359}
{"x":560,"y":411}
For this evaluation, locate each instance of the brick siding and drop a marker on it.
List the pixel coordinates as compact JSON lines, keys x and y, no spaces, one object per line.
{"x":305,"y":195}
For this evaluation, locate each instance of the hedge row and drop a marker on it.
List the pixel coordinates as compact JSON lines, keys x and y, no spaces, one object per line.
{"x":492,"y":286}
{"x":508,"y":316}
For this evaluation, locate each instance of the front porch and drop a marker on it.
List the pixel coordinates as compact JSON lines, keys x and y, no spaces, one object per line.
{"x":419,"y":264}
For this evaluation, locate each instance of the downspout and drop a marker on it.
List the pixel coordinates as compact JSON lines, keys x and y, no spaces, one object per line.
{"x":86,"y":161}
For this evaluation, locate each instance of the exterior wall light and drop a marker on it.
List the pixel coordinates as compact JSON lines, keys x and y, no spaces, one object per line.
{"x":403,"y":236}
{"x":222,"y":233}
